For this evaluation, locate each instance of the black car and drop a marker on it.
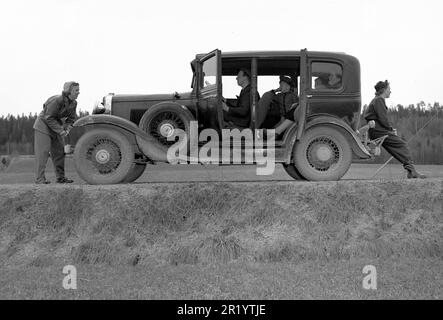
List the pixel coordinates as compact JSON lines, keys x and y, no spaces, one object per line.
{"x":126,"y":132}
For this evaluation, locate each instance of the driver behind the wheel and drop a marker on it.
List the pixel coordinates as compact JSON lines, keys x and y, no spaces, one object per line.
{"x":239,"y":115}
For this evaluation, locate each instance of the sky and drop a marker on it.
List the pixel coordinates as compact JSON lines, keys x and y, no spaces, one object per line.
{"x":137,"y":46}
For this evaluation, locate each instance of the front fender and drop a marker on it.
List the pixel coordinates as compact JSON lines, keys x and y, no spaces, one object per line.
{"x":146,"y":143}
{"x":108,"y":119}
{"x":357,"y":147}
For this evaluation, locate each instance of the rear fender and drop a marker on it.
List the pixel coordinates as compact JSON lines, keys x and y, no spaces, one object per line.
{"x":358,"y":149}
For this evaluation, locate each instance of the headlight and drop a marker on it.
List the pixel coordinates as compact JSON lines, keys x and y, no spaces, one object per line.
{"x":107,"y":102}
{"x":103,"y":107}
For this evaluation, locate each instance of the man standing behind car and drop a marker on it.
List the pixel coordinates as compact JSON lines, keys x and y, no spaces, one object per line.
{"x":50,"y":128}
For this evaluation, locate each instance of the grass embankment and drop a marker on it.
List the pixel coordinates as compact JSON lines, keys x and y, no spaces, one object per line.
{"x":218,"y":228}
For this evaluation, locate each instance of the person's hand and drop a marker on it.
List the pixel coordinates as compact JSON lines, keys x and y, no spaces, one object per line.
{"x":225,"y":107}
{"x":64,"y":133}
{"x":394,"y":131}
{"x":69,"y":128}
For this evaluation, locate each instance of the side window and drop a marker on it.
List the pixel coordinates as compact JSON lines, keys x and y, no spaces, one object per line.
{"x":266,"y":83}
{"x":326,"y":76}
{"x":230,"y":87}
{"x":209,"y":72}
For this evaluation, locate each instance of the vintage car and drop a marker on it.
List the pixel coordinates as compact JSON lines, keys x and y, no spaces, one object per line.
{"x":127,"y":132}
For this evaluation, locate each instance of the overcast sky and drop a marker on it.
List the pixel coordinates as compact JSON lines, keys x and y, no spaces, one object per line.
{"x":136,"y":46}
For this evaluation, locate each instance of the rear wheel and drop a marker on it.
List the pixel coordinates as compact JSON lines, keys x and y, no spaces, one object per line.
{"x":323,"y":153}
{"x":293,"y":171}
{"x":104,"y":156}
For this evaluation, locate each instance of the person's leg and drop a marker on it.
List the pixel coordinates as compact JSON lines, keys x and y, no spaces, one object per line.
{"x":58,"y":156}
{"x":291,"y":116}
{"x":42,"y":145}
{"x":393,"y":144}
{"x":283,"y":126}
{"x":263,"y":106}
{"x":398,"y":148}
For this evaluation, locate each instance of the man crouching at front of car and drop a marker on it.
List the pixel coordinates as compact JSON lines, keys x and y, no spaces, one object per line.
{"x":50,"y":128}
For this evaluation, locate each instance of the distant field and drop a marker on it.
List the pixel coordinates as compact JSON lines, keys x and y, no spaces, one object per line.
{"x":21,"y":170}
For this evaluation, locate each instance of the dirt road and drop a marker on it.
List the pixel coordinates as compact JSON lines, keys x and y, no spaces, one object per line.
{"x":21,"y":171}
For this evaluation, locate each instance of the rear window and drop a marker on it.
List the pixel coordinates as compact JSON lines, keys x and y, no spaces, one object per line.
{"x":326,"y":76}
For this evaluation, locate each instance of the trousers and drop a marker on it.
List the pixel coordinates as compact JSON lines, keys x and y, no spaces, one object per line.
{"x":267,"y":114}
{"x":396,"y":146}
{"x":45,"y":145}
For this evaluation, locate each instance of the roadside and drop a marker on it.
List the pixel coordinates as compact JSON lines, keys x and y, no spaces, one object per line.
{"x":217,"y":240}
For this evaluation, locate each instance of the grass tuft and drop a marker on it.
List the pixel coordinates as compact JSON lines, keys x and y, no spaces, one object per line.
{"x":95,"y":252}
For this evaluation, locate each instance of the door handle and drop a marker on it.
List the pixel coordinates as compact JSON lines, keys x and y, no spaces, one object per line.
{"x":309,"y":96}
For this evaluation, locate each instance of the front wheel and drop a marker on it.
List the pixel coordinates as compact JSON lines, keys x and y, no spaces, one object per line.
{"x":104,"y":156}
{"x":135,"y":172}
{"x":322,"y":154}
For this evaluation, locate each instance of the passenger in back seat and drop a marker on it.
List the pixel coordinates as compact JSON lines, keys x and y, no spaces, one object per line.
{"x":282,"y":101}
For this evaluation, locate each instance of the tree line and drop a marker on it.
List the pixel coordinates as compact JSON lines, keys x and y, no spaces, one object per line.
{"x":17,"y":133}
{"x":421,"y":126}
{"x":426,"y":144}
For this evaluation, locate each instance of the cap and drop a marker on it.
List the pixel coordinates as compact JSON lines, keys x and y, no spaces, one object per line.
{"x":288,"y":80}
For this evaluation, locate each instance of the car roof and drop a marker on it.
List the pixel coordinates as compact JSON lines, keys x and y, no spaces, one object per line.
{"x":281,"y":53}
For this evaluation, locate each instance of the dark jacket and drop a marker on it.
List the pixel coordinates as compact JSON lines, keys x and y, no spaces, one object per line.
{"x":57,"y":110}
{"x":240,"y":113}
{"x":285,"y":101}
{"x":378,"y":111}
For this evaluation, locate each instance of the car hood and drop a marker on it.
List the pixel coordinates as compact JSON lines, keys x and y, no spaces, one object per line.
{"x":151,"y":97}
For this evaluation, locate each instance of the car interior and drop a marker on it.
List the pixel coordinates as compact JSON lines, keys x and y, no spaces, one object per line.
{"x":268,"y":72}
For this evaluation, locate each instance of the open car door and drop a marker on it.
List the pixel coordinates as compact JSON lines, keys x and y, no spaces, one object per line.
{"x":209,"y":89}
{"x":303,"y":100}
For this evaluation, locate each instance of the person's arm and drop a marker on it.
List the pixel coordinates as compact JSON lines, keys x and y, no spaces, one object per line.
{"x":72,"y":114}
{"x":243,"y":105}
{"x":229,"y":103}
{"x":51,"y":116}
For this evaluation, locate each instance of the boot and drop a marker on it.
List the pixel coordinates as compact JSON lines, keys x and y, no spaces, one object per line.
{"x":64,"y":180}
{"x":412,"y":173}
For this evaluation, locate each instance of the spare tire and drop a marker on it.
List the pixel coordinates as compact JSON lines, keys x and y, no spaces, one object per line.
{"x":161,"y":120}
